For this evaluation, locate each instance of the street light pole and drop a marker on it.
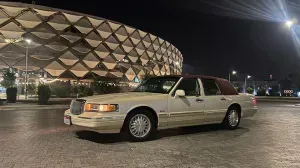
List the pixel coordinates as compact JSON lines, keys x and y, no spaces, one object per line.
{"x":26,"y":69}
{"x":28,"y":41}
{"x":245,"y":84}
{"x":26,"y":66}
{"x":247,"y":77}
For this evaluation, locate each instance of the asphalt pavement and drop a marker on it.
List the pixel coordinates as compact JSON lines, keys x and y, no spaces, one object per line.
{"x":38,"y":138}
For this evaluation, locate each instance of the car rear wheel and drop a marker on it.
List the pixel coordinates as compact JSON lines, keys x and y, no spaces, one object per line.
{"x":140,"y":126}
{"x":232,"y":118}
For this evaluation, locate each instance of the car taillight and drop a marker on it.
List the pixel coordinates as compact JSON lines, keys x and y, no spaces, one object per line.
{"x":254,"y":101}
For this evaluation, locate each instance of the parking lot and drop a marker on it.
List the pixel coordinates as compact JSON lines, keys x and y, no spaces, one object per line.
{"x":38,"y":138}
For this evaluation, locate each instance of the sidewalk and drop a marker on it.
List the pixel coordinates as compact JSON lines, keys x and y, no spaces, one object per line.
{"x":32,"y":106}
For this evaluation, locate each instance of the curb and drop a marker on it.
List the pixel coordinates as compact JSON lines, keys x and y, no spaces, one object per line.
{"x":278,"y":100}
{"x":13,"y":108}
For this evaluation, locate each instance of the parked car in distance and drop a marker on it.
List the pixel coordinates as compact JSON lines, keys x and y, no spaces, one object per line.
{"x":163,"y":102}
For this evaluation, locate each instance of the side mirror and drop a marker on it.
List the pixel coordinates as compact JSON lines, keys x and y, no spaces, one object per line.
{"x":180,"y":93}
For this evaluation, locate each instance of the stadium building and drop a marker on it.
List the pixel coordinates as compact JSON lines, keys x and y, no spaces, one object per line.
{"x":65,"y":45}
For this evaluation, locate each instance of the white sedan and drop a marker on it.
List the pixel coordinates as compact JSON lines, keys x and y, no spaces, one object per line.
{"x":163,"y":102}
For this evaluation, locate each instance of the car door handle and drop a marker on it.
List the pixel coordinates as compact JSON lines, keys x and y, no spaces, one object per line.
{"x":199,"y":100}
{"x":223,"y":98}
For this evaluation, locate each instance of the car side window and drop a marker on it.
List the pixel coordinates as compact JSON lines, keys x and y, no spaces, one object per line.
{"x":210,"y":87}
{"x":190,"y":86}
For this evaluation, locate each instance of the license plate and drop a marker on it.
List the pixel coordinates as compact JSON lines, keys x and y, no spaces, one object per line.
{"x":67,"y":120}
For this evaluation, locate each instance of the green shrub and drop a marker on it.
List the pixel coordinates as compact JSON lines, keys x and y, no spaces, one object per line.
{"x":88,"y":92}
{"x":250,"y":90}
{"x":106,"y":87}
{"x":74,"y":90}
{"x":44,"y":93}
{"x":61,"y":89}
{"x":80,"y":95}
{"x":81,"y":91}
{"x":11,"y":94}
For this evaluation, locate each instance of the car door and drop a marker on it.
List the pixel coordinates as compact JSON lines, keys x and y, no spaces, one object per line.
{"x":215,"y":103}
{"x":187,"y":110}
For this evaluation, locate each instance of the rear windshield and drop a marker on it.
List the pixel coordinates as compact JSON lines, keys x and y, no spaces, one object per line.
{"x":226,"y":87}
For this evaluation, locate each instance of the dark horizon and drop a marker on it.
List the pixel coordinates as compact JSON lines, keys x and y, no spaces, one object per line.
{"x":210,"y":44}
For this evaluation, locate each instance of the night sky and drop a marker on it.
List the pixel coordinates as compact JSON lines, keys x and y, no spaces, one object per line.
{"x":210,"y":44}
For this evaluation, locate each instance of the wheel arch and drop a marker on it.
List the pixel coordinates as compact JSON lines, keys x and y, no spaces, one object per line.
{"x":237,"y":106}
{"x":225,"y":120}
{"x":142,"y":107}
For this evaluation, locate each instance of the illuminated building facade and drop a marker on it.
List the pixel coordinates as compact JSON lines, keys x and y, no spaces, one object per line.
{"x":71,"y":46}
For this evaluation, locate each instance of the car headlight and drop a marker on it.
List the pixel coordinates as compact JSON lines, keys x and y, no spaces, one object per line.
{"x":89,"y":107}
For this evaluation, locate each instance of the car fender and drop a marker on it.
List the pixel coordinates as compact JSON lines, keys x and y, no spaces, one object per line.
{"x":140,"y":105}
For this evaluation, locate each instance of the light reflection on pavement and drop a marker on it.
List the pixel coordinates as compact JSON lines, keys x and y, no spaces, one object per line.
{"x":38,"y":138}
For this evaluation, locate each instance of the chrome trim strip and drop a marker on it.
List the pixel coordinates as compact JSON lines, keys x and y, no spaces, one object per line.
{"x":174,"y":114}
{"x":110,"y":118}
{"x":84,"y":117}
{"x":162,"y":115}
{"x":219,"y":110}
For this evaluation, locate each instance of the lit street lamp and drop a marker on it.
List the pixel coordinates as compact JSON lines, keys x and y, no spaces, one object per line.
{"x":233,"y":73}
{"x":247,"y":77}
{"x":289,"y":23}
{"x":28,"y":41}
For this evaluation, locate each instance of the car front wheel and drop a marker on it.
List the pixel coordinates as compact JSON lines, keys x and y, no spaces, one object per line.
{"x":140,"y":126}
{"x":232,"y":118}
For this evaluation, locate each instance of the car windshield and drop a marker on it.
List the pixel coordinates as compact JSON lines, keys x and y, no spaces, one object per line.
{"x":157,"y":85}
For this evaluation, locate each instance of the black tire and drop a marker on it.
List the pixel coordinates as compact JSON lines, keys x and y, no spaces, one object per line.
{"x":152,"y":124}
{"x":226,"y":122}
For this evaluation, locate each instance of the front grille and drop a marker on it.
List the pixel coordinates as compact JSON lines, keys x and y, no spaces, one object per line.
{"x":77,"y":106}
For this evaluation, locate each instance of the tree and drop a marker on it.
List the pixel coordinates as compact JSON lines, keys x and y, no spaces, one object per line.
{"x":9,"y":79}
{"x":9,"y":82}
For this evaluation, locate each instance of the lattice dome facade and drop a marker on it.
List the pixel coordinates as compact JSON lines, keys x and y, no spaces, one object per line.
{"x":73,"y":46}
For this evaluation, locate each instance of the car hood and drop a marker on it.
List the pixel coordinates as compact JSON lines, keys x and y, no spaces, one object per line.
{"x":124,"y":97}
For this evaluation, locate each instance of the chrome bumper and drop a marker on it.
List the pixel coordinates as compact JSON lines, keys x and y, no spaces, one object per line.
{"x":101,"y":124}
